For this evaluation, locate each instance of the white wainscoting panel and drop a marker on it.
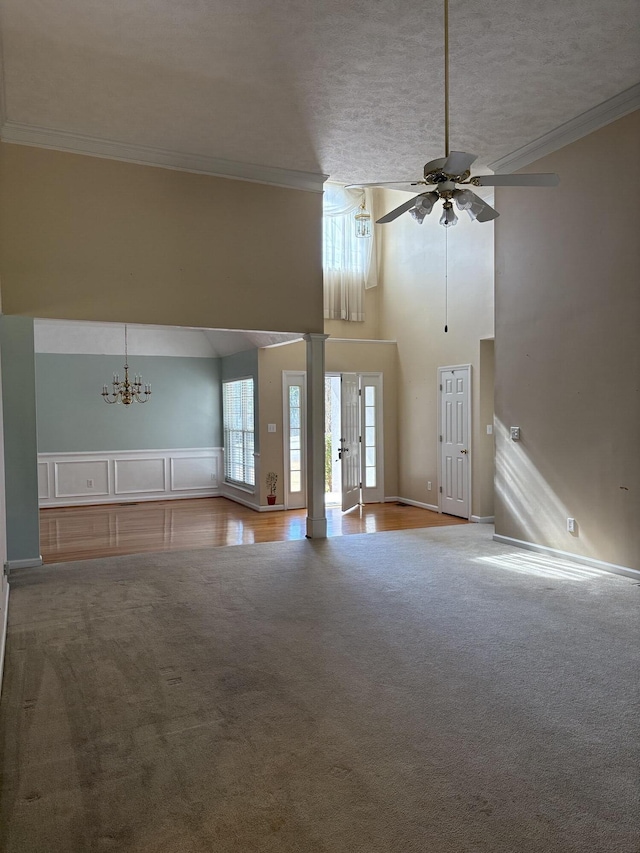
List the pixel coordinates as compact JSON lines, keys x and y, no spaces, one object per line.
{"x":44,"y":490}
{"x":73,"y":479}
{"x":136,"y":476}
{"x":195,"y":472}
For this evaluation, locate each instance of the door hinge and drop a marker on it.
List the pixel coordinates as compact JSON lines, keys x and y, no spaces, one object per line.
{"x":360,"y":439}
{"x":360,"y":485}
{"x":441,"y":387}
{"x":440,"y":489}
{"x":359,"y":392}
{"x":440,"y":438}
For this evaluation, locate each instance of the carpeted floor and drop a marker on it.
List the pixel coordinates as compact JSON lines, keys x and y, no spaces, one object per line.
{"x":406,"y":692}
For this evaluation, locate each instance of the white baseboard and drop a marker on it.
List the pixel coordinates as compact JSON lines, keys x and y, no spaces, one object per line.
{"x":270,"y":507}
{"x":3,"y":636}
{"x":232,"y":494}
{"x":568,"y":555}
{"x":419,"y":504}
{"x":31,"y":563}
{"x":483,"y":519}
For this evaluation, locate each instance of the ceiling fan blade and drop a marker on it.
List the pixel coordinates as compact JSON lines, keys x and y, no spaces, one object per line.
{"x":476,"y":207}
{"x":434,"y":165}
{"x":398,"y":211}
{"x":457,"y":163}
{"x":546,"y":180}
{"x":385,"y":184}
{"x":487,"y":213}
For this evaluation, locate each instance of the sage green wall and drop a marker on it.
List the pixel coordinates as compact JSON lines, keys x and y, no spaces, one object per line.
{"x":184,"y":410}
{"x":20,"y":442}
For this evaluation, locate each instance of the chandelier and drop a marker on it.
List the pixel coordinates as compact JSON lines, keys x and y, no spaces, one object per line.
{"x":363,"y":220}
{"x":127,"y":392}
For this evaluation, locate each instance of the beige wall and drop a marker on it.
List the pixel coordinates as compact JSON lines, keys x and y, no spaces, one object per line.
{"x":412,"y":311}
{"x":369,"y":329}
{"x":84,"y":238}
{"x":568,"y":351}
{"x":358,"y":357}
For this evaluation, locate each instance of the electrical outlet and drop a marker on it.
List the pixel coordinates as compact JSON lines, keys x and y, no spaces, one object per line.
{"x":515,"y":433}
{"x":429,"y":485}
{"x":89,"y":484}
{"x":213,"y":478}
{"x":489,"y":429}
{"x":571,"y":525}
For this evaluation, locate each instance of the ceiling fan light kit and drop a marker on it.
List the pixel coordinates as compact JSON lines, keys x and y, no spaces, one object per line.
{"x":453,"y":170}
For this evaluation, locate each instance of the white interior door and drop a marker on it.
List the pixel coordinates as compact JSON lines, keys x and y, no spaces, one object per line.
{"x":455,"y":433}
{"x":350,"y":441}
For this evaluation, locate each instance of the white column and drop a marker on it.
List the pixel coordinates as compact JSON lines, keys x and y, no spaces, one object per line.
{"x":316,"y":516}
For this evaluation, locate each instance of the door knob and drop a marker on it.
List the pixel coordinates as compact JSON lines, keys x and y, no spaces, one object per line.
{"x":464,"y":451}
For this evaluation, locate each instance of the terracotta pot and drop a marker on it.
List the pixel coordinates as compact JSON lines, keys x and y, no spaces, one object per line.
{"x":271,"y":499}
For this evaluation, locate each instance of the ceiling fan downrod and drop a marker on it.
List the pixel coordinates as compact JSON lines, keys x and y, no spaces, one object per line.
{"x":446,"y":78}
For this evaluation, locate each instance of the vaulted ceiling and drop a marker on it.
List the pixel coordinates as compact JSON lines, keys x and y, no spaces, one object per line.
{"x":347,"y":88}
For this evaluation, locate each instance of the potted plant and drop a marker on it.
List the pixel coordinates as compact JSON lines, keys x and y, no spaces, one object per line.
{"x":272,"y":482}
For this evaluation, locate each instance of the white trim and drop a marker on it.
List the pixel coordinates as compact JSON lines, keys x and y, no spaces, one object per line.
{"x":3,"y":636}
{"x":375,"y":380}
{"x":608,"y":111}
{"x":483,"y":519}
{"x":359,"y":341}
{"x":270,"y":507}
{"x":289,"y":378}
{"x":32,"y":563}
{"x":419,"y":504}
{"x":225,"y":492}
{"x":568,"y":555}
{"x":470,"y":435}
{"x":145,"y":155}
{"x":106,"y":465}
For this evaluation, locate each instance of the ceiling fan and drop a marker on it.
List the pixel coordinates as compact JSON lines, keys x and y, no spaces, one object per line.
{"x":448,"y":173}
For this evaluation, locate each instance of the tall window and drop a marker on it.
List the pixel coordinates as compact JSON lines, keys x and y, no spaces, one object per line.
{"x":348,"y":262}
{"x":238,"y":421}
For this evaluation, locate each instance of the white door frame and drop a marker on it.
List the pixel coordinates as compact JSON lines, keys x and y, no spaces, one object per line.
{"x":375,"y":378}
{"x":372,"y":494}
{"x":442,"y":370}
{"x":294,"y":377}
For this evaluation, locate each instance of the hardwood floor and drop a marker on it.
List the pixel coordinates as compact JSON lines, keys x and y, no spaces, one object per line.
{"x":109,"y":530}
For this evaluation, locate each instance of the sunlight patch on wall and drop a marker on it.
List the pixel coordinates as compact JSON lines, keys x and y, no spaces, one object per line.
{"x":527,"y":496}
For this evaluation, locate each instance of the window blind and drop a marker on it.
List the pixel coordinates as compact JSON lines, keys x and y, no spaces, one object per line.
{"x":238,"y":425}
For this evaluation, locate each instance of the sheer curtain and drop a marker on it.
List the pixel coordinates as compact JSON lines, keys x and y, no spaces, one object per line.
{"x":348,"y":261}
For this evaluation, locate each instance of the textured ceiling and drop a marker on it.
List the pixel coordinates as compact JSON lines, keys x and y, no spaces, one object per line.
{"x":350,"y":88}
{"x":69,"y":336}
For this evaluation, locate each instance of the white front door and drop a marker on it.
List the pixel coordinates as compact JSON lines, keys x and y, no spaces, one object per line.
{"x":455,"y":434}
{"x":350,"y":441}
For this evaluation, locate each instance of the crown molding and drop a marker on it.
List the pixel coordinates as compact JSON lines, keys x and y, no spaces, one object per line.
{"x":202,"y":164}
{"x":572,"y":130}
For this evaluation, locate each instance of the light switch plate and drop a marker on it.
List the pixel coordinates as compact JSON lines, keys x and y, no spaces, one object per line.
{"x":489,"y":429}
{"x":271,"y":427}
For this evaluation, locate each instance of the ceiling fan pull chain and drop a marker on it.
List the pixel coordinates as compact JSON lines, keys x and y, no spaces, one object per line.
{"x":446,"y":280}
